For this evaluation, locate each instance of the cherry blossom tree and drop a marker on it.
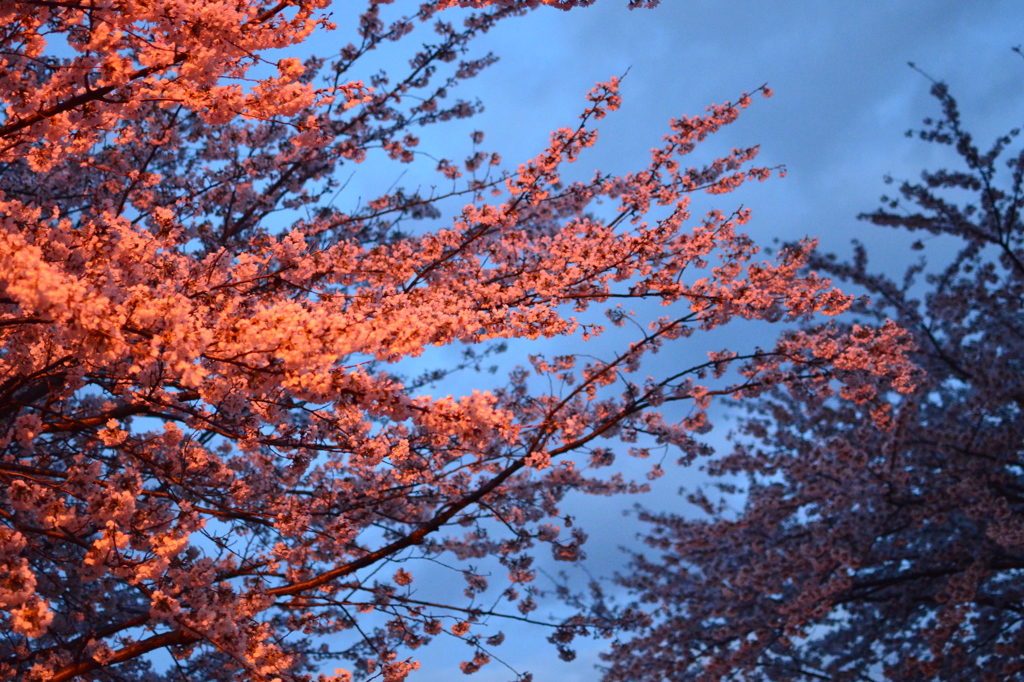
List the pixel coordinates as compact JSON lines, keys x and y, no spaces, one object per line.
{"x":217,"y":462}
{"x":867,"y":551}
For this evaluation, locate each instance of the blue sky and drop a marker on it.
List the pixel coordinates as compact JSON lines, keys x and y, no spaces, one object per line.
{"x":844,"y":97}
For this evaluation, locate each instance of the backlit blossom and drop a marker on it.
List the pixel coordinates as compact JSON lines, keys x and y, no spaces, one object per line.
{"x":218,"y":440}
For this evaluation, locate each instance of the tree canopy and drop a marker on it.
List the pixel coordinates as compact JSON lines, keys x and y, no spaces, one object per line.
{"x":873,"y":550}
{"x":215,"y":465}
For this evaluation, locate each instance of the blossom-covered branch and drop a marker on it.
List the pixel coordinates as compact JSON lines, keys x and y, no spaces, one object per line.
{"x":206,"y":439}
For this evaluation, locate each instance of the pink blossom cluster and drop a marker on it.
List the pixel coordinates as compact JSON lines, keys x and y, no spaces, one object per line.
{"x":881,"y":528}
{"x":207,"y":444}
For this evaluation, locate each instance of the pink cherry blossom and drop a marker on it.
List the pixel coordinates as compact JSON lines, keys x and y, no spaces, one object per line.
{"x":209,"y":446}
{"x":880,"y":538}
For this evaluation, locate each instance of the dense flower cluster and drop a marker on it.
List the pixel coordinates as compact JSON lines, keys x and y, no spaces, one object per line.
{"x":876,"y":542}
{"x":206,"y":445}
